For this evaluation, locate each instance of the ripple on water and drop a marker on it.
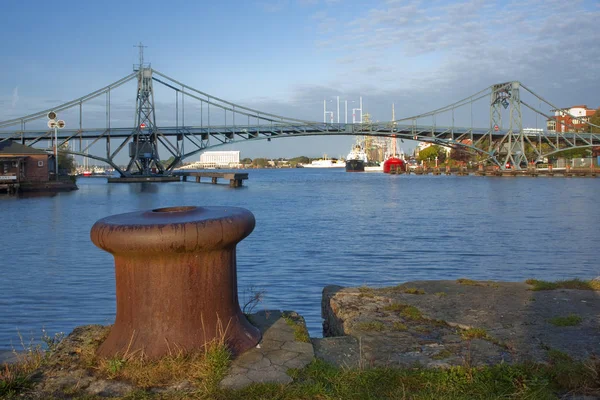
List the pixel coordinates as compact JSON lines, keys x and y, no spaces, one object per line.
{"x":314,"y":228}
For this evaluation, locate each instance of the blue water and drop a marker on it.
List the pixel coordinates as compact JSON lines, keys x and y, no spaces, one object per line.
{"x":314,"y":228}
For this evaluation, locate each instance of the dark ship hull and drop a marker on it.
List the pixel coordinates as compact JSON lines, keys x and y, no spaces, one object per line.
{"x":355,"y":166}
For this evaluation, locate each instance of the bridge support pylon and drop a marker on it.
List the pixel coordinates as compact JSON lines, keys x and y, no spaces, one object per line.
{"x":511,"y":149}
{"x":143,"y":149}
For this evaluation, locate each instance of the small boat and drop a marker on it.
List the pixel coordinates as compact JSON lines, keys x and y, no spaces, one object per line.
{"x":86,"y":173}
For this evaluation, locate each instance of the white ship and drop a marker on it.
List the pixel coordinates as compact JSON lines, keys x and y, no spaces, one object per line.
{"x":326,"y":163}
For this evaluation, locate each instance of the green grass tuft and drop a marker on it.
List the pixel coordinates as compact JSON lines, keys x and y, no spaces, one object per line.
{"x":300,"y":331}
{"x":564,"y":284}
{"x":365,"y":291}
{"x":399,"y":326}
{"x":405,"y":310}
{"x":411,"y":312}
{"x":474,"y":333}
{"x":468,"y":282}
{"x":445,"y":353}
{"x":371,"y":326}
{"x":569,"y":320}
{"x":414,"y":291}
{"x":397,"y":307}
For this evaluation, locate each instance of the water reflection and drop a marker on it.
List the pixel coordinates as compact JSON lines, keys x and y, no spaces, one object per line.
{"x":29,"y":195}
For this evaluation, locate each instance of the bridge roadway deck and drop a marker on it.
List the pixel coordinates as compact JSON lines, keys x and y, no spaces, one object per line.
{"x":275,"y":130}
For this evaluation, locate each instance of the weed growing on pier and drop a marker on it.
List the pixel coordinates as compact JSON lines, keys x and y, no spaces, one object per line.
{"x":16,"y":377}
{"x":395,"y":307}
{"x":399,"y":326}
{"x":365,"y":291}
{"x":371,"y":326}
{"x":474,"y":333}
{"x":564,"y":284}
{"x":411,"y":312}
{"x":253,"y":297}
{"x":468,"y":282}
{"x":569,"y":320}
{"x":445,"y":353}
{"x":405,"y":310}
{"x":297,"y":323}
{"x":206,"y":368}
{"x":423,"y":329}
{"x":414,"y":291}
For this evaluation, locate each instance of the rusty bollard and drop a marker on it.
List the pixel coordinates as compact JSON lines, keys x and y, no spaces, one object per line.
{"x":176,"y":281}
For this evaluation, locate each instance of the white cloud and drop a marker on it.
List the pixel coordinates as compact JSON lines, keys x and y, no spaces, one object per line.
{"x":468,"y":42}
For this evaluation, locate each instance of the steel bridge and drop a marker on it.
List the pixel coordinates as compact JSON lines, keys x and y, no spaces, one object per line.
{"x":503,"y":141}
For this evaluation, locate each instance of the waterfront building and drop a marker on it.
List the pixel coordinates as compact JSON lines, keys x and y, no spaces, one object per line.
{"x":570,"y":119}
{"x":19,"y":163}
{"x":220,"y":159}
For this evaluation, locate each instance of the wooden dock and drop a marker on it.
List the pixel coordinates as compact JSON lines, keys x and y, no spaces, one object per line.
{"x":235,"y":178}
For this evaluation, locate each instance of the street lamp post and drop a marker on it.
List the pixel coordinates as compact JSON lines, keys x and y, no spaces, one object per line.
{"x":55,"y":124}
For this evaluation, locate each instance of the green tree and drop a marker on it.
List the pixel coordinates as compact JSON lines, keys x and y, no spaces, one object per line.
{"x":66,"y":162}
{"x":573,"y":153}
{"x":246,"y":160}
{"x":431,"y":152}
{"x":166,"y":163}
{"x":299,"y":160}
{"x":461,"y":154}
{"x":260,"y":162}
{"x":595,"y":119}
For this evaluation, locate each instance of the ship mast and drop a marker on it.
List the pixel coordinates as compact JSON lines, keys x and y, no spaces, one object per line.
{"x":393,"y":136}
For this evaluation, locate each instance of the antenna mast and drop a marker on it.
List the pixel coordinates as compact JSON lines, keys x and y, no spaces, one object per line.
{"x":140,"y":46}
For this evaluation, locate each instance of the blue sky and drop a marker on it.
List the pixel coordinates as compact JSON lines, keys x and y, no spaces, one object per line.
{"x":286,"y":56}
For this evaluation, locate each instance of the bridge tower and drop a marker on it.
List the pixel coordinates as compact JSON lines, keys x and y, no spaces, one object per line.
{"x":512,"y":146}
{"x":143,"y":150}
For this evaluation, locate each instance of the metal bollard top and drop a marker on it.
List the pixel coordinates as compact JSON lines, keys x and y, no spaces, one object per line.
{"x":173,"y":230}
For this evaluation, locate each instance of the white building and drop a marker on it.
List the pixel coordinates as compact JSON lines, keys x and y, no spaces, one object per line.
{"x":220,"y":159}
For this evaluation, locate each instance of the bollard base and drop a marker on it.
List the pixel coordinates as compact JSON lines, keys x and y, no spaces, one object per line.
{"x":237,"y":334}
{"x":176,"y":280}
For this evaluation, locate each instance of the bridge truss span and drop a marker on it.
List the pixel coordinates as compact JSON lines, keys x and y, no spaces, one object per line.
{"x":199,"y":121}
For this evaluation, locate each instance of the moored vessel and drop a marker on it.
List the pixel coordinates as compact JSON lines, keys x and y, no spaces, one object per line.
{"x":356,"y":160}
{"x":325,"y":163}
{"x":394,"y":163}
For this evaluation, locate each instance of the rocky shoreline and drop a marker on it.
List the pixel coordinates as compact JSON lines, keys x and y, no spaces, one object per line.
{"x":430,"y":324}
{"x":463,"y":322}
